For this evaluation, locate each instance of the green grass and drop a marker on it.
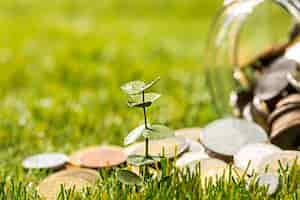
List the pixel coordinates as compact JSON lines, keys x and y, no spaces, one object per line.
{"x":62,"y":63}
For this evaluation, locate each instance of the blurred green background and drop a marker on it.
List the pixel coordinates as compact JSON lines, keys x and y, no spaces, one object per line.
{"x":62,"y":63}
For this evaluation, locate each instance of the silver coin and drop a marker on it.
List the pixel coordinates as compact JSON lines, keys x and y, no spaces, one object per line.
{"x":190,"y":157}
{"x":274,"y":162}
{"x":223,"y":138}
{"x":169,"y":147}
{"x":273,"y":80}
{"x":252,"y":154}
{"x":45,"y":161}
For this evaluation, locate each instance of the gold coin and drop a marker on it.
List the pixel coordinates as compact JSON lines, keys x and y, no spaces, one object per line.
{"x":189,"y":133}
{"x":86,"y":174}
{"x":291,"y":99}
{"x":168,"y":147}
{"x":50,"y":188}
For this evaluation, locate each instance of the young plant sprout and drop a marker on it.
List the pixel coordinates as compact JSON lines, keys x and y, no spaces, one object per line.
{"x":139,"y":98}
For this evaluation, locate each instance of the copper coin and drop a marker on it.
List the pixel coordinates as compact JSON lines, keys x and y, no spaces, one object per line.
{"x":75,"y":157}
{"x":189,"y":133}
{"x":273,"y":163}
{"x":252,"y":154}
{"x":285,"y":130}
{"x":223,"y":138}
{"x":49,"y":189}
{"x":291,"y":99}
{"x":281,"y":111}
{"x":168,"y":147}
{"x":103,"y":157}
{"x":45,"y":161}
{"x":285,"y":121}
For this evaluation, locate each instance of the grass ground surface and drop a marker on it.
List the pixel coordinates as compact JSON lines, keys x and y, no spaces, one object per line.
{"x":62,"y":63}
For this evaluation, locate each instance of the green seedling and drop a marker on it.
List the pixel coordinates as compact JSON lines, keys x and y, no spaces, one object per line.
{"x":138,"y":97}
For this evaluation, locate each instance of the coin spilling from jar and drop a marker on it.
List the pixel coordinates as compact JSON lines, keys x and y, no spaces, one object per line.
{"x":271,"y":97}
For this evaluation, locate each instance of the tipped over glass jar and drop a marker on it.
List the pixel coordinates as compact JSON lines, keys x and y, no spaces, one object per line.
{"x":252,"y":65}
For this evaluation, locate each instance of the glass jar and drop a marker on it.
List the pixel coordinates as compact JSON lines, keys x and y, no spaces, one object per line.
{"x":242,"y":30}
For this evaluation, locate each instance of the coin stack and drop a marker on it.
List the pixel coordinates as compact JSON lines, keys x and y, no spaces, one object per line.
{"x":269,"y":93}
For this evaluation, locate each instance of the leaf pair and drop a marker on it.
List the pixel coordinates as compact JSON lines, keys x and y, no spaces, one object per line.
{"x":138,"y":101}
{"x":137,"y":87}
{"x":137,"y":96}
{"x":152,"y":132}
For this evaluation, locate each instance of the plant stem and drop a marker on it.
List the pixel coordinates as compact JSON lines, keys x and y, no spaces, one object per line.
{"x":147,"y":147}
{"x":146,"y":126}
{"x":145,"y":114}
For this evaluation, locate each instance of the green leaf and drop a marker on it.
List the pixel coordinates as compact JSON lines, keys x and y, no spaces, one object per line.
{"x":134,"y":134}
{"x":139,"y":160}
{"x":137,"y":87}
{"x":158,"y":132}
{"x":129,"y":178}
{"x":150,"y":84}
{"x":153,"y":132}
{"x":133,"y":87}
{"x":137,"y":100}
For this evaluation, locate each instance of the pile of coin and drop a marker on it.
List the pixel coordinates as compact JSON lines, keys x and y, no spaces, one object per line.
{"x":78,"y":169}
{"x":268,"y":93}
{"x":211,"y":150}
